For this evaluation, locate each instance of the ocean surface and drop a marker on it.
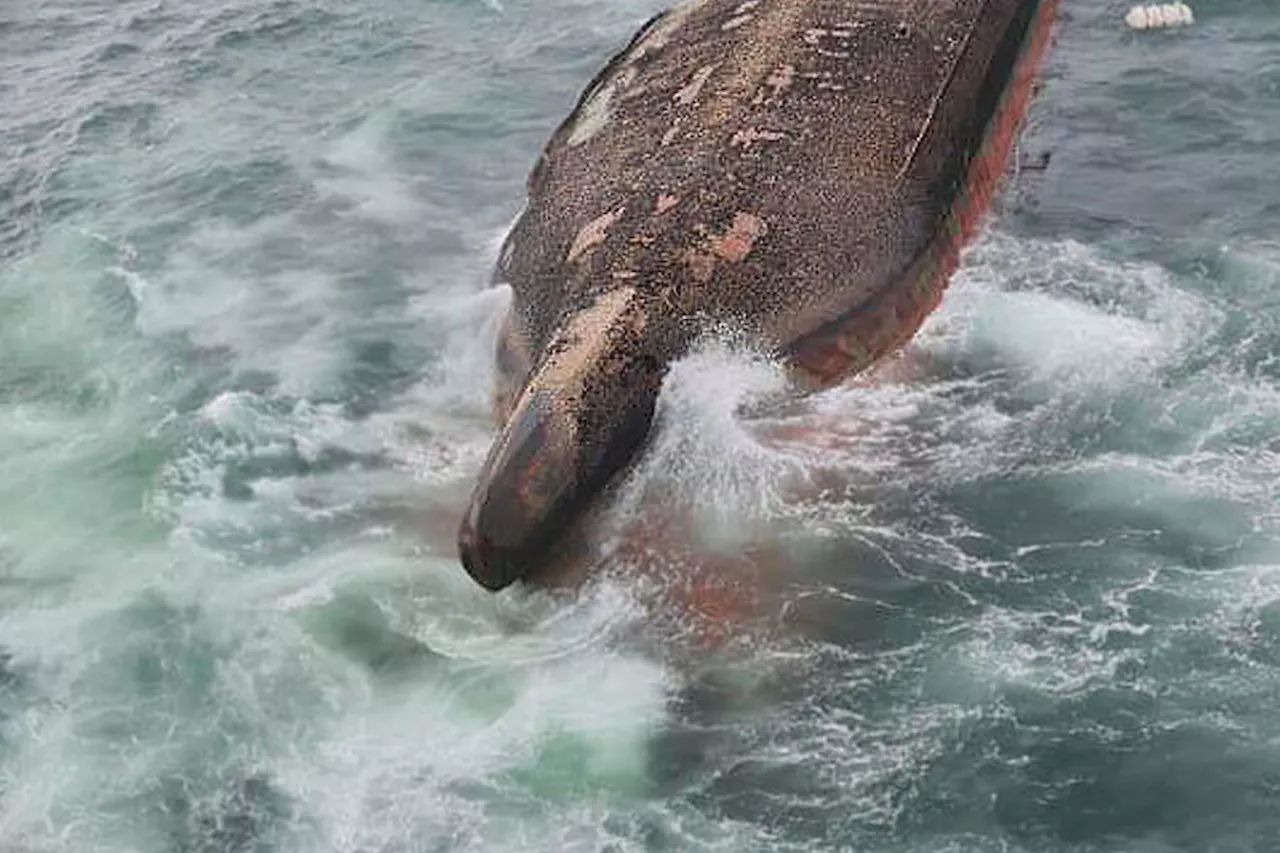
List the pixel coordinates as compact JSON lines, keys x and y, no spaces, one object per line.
{"x":1022,"y":594}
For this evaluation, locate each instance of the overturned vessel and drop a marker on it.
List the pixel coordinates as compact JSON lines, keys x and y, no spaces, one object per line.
{"x":804,"y":170}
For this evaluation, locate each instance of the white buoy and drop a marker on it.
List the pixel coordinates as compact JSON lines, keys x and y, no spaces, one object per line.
{"x":1154,"y":16}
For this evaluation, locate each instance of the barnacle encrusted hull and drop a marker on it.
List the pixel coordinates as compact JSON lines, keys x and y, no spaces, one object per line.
{"x":804,"y":170}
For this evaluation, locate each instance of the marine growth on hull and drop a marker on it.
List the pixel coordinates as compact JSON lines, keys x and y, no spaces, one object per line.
{"x":803,"y":172}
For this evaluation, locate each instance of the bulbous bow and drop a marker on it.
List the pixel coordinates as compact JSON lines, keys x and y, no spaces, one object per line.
{"x":583,"y":415}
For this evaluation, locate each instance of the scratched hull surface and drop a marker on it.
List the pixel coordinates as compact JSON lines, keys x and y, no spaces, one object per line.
{"x":777,"y":164}
{"x":246,"y":348}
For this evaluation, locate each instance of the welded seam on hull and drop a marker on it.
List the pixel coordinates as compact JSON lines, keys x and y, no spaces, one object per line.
{"x":914,"y":151}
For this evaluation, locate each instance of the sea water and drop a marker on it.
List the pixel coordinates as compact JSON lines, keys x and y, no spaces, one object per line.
{"x":1023,"y":594}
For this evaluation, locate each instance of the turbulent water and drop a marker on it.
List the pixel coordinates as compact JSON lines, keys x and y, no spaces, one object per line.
{"x":1021,"y":593}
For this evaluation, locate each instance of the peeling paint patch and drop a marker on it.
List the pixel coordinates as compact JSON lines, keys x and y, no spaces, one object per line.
{"x":734,"y":23}
{"x":665,"y":203}
{"x":733,"y":246}
{"x":816,"y":36}
{"x":670,"y":136}
{"x":689,"y":93}
{"x":593,"y":234}
{"x":779,"y":80}
{"x":624,"y":275}
{"x":746,"y":7}
{"x":747,"y":136}
{"x":665,"y":28}
{"x":736,"y":243}
{"x":583,"y":343}
{"x":595,"y":113}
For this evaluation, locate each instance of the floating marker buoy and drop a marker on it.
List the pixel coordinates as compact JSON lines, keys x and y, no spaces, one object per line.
{"x":1157,"y":15}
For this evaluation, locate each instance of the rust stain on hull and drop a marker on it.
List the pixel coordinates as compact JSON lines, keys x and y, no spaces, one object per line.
{"x":735,"y":244}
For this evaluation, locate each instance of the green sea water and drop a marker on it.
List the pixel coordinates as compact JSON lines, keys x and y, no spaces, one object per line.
{"x":244,"y":367}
